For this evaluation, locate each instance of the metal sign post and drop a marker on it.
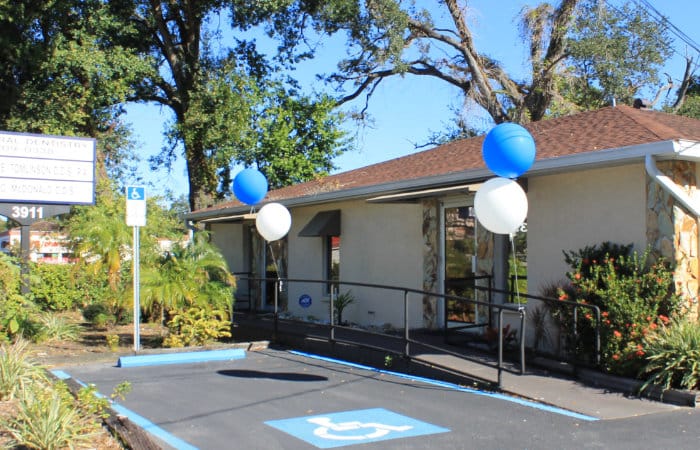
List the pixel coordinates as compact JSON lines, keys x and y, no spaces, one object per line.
{"x":136,"y":217}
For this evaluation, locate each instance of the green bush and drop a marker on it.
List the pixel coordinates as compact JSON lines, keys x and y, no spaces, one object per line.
{"x":14,"y":308}
{"x":53,"y":288}
{"x":673,"y":355}
{"x":196,"y":326}
{"x":15,"y":318}
{"x":340,"y":302}
{"x":99,"y":316}
{"x":48,"y":419}
{"x":635,"y":296}
{"x":53,"y":327}
{"x":17,"y":370}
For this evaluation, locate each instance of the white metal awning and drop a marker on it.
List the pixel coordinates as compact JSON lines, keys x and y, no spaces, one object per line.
{"x":415,"y":195}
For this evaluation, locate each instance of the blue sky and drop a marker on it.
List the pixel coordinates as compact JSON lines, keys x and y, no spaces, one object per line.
{"x":405,"y":111}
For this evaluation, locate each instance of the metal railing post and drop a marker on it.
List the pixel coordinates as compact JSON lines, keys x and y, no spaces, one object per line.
{"x":331,"y":310}
{"x":275,"y":315}
{"x":523,"y":313}
{"x":407,"y":350}
{"x":500,"y":348}
{"x":576,"y":343}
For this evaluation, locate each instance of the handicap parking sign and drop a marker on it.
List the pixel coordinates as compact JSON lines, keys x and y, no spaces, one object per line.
{"x":354,"y":427}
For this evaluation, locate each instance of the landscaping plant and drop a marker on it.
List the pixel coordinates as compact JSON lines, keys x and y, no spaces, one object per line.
{"x":634,"y":294}
{"x":673,"y":355}
{"x":340,"y":302}
{"x":52,"y":287}
{"x":47,"y":419}
{"x":15,"y":309}
{"x":197,"y":326}
{"x":54,"y":327}
{"x":17,"y":370}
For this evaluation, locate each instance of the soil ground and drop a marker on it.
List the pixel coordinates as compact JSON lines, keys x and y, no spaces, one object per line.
{"x":92,"y":345}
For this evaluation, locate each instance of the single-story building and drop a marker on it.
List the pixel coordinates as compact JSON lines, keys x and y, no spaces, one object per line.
{"x":619,"y":174}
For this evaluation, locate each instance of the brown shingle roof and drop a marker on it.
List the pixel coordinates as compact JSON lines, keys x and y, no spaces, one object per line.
{"x":606,"y":128}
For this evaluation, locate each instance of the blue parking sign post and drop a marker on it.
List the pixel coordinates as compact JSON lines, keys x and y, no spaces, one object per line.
{"x":136,"y":217}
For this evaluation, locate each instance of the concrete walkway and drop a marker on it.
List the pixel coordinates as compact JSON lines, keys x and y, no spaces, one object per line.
{"x":591,"y":393}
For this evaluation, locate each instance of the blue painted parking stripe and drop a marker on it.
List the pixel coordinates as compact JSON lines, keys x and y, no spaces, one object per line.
{"x":141,"y":421}
{"x":520,"y":401}
{"x":152,"y":428}
{"x":181,"y":358}
{"x":61,"y":375}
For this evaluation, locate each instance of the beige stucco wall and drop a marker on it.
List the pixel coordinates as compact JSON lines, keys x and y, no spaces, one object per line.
{"x":380,"y":244}
{"x":572,"y":210}
{"x":228,"y":237}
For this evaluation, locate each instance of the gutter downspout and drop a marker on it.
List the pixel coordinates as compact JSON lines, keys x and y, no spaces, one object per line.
{"x":669,"y":186}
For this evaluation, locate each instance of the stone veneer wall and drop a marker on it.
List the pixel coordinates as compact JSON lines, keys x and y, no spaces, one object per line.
{"x":672,"y":232}
{"x":431,"y":263}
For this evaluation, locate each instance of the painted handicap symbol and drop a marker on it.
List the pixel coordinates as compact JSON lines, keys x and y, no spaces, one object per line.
{"x":340,"y":429}
{"x":327,"y":427}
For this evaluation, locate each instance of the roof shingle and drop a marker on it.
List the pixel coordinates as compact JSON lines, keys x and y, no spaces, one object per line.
{"x":606,"y":128}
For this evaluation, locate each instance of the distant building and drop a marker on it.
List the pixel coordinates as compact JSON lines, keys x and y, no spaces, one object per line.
{"x":46,"y":243}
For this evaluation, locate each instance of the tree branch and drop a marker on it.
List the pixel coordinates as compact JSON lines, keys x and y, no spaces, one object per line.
{"x":682,"y":91}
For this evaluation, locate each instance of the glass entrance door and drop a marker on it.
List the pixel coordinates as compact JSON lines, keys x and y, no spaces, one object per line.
{"x":459,"y":258}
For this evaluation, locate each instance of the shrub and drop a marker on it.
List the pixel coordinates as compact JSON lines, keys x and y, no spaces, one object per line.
{"x":48,"y":419}
{"x":53,"y":287}
{"x":634,"y":294}
{"x":17,"y":371}
{"x":112,"y":342}
{"x":46,"y":415}
{"x":673,"y":356}
{"x":53,"y":327}
{"x":98,"y":315}
{"x":15,"y":309}
{"x":196,"y":326}
{"x":340,"y":302}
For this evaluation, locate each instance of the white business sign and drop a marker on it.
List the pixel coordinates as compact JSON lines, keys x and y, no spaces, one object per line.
{"x":38,"y":168}
{"x":136,"y":206}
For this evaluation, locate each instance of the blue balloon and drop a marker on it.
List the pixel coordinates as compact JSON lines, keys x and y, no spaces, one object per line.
{"x":508,"y":150}
{"x":250,"y":186}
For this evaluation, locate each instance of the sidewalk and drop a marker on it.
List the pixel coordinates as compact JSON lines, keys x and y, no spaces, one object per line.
{"x":591,"y":393}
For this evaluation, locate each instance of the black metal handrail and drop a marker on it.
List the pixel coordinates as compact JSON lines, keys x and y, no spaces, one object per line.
{"x":575,"y":306}
{"x":406,"y":338}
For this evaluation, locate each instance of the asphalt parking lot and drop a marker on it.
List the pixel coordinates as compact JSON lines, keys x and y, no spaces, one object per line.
{"x":276,"y":399}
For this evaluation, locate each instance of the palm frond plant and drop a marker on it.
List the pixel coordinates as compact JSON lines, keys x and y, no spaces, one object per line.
{"x":672,"y":355}
{"x":17,"y":370}
{"x":54,"y":327}
{"x":47,"y":418}
{"x":189,"y":275}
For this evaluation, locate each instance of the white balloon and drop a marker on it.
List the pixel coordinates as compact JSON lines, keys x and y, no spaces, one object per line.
{"x":273,"y":221}
{"x":500,"y":205}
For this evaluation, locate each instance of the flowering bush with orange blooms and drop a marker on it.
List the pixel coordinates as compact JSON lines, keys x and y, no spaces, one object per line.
{"x":634,"y":294}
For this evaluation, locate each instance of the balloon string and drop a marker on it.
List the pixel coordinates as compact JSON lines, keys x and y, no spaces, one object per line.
{"x":515,"y":266}
{"x":274,"y":262}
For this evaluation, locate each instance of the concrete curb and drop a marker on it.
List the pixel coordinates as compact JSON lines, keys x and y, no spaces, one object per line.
{"x":620,"y":384}
{"x":180,"y":358}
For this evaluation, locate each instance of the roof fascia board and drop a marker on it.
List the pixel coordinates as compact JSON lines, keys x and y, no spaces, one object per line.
{"x":688,"y":149}
{"x":620,"y":155}
{"x":606,"y":157}
{"x":359,"y":192}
